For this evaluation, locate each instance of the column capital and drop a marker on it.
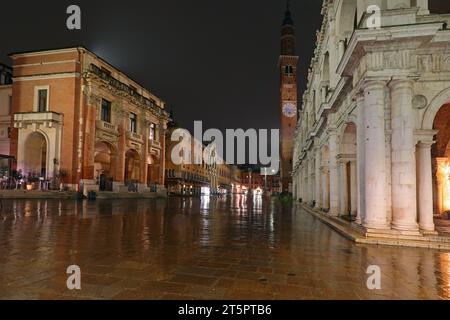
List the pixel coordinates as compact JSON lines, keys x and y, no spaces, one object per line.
{"x":359,"y":97}
{"x":332,"y":131}
{"x":401,"y":83}
{"x":425,"y":144}
{"x":374,"y":85}
{"x":425,"y":135}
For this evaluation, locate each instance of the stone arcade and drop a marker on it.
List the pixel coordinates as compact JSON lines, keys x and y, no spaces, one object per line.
{"x":374,"y":130}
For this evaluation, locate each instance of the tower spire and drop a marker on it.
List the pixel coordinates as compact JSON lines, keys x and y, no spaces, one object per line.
{"x":287,"y":15}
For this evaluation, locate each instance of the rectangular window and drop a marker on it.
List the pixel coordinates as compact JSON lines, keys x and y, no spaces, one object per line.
{"x":133,"y":122}
{"x":106,"y":111}
{"x":152,"y":131}
{"x":42,"y":100}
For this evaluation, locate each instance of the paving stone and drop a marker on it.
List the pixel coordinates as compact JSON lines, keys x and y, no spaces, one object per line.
{"x":150,"y":253}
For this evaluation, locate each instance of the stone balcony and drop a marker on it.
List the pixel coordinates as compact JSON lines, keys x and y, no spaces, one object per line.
{"x":155,"y":144}
{"x":135,"y":137}
{"x":106,"y":127}
{"x":46,"y":119}
{"x":154,"y":148}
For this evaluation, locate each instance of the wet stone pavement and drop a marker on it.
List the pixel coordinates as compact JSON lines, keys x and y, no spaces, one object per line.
{"x":185,"y":248}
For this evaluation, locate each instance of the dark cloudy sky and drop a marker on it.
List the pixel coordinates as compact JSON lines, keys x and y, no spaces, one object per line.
{"x":211,"y":60}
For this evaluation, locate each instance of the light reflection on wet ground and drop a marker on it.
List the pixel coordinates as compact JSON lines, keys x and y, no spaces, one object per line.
{"x":209,"y":248}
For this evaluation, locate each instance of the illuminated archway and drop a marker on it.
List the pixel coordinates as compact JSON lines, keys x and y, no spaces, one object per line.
{"x":347,"y":173}
{"x":132,"y":166}
{"x":104,"y":165}
{"x":35,"y":157}
{"x":153,"y":168}
{"x":441,"y":161}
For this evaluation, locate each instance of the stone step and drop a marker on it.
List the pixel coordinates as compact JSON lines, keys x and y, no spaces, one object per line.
{"x":409,"y":238}
{"x":386,"y":237}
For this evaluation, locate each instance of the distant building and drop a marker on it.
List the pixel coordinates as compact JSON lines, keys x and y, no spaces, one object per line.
{"x":257,"y":182}
{"x":79,"y":118}
{"x":5,"y":108}
{"x":190,"y":178}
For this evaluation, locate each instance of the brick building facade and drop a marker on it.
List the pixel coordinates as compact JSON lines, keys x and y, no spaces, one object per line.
{"x":77,"y":117}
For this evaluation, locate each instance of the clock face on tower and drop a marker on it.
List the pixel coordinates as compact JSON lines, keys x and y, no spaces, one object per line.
{"x":289,"y":110}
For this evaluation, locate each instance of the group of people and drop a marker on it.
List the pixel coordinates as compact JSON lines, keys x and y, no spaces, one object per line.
{"x":17,"y":181}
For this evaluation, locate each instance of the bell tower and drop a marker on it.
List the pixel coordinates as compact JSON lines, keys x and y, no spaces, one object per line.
{"x":288,"y":62}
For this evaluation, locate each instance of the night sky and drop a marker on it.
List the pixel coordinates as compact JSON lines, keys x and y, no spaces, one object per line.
{"x":210,"y":60}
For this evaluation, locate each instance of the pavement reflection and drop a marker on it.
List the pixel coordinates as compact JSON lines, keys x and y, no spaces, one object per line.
{"x":199,"y":248}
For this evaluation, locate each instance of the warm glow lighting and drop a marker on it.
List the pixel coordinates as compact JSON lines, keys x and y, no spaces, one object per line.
{"x":206,"y":191}
{"x":446,"y":170}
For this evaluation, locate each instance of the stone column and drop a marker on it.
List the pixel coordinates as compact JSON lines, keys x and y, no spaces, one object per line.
{"x":294,"y":186}
{"x":353,"y":188}
{"x":310,"y":180}
{"x":343,"y":190}
{"x":341,"y":48}
{"x":323,"y":93}
{"x":360,"y":159}
{"x":375,"y":156}
{"x":425,"y":186}
{"x":121,"y":151}
{"x":404,"y":203}
{"x":89,"y":140}
{"x":144,"y":163}
{"x":325,"y":190}
{"x":306,"y":181}
{"x":318,"y":196}
{"x":162,"y":160}
{"x":299,"y":183}
{"x":334,"y":176}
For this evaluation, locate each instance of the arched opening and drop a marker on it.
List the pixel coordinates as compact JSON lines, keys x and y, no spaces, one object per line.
{"x":325,"y":173}
{"x":152,"y":171}
{"x":441,"y":163}
{"x":36,"y":162}
{"x":132,"y":167}
{"x":104,"y":165}
{"x":346,"y":19}
{"x":347,"y":172}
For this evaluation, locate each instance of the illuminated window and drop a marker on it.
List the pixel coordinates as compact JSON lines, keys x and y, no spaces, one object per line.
{"x":152,"y":133}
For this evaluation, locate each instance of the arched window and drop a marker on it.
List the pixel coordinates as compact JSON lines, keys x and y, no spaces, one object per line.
{"x":288,"y":70}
